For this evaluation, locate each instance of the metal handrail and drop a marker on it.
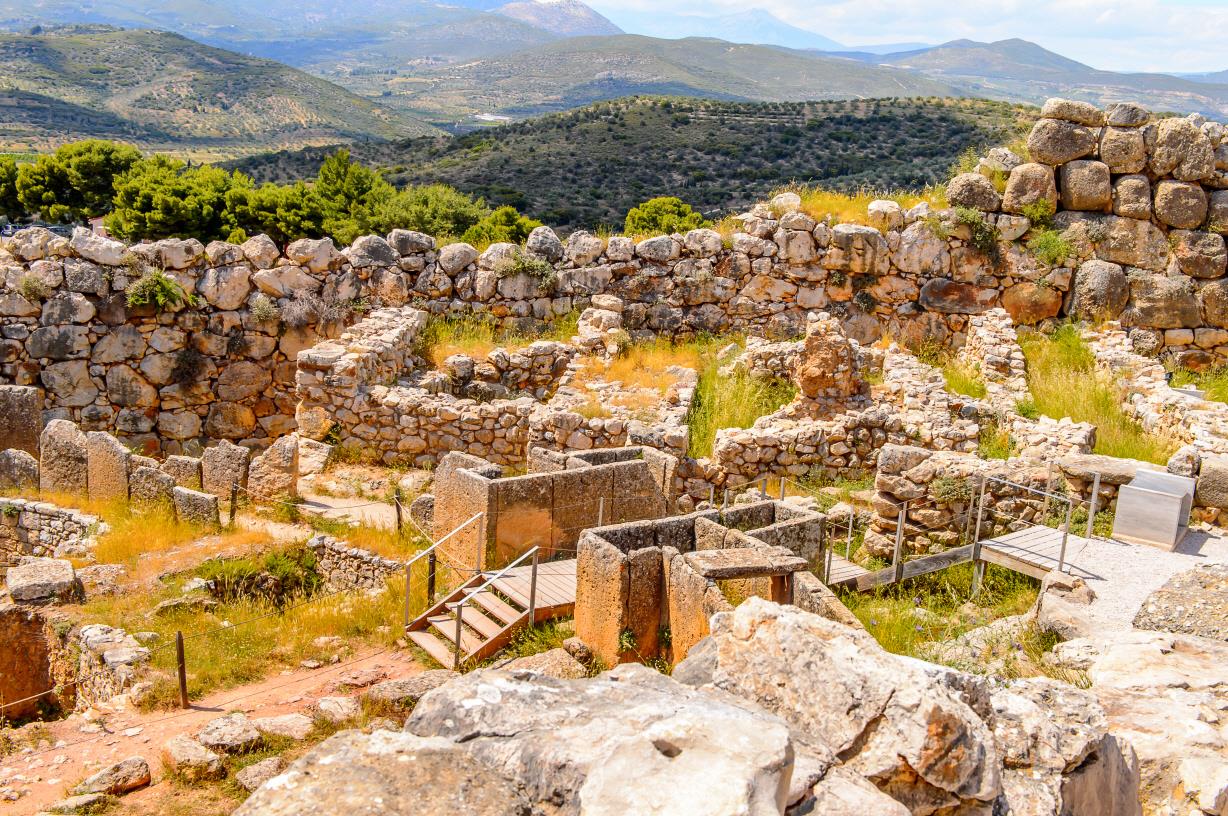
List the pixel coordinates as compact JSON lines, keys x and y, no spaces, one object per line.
{"x":429,"y":554}
{"x":976,"y":550}
{"x":459,"y":605}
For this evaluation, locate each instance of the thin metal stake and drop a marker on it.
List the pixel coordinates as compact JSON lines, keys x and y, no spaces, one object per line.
{"x":1061,"y":557}
{"x":978,"y":566}
{"x":897,"y":564}
{"x":1091,"y":511}
{"x":763,"y":488}
{"x":533,"y":589}
{"x":601,"y":511}
{"x":848,"y":545}
{"x":396,"y":503}
{"x":183,"y":670}
{"x":711,"y":495}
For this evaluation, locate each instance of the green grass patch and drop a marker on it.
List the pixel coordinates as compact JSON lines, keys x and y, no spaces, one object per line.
{"x":1064,"y":382}
{"x":995,"y":442}
{"x":731,"y":402}
{"x":1213,"y":383}
{"x":907,"y":617}
{"x":963,"y":378}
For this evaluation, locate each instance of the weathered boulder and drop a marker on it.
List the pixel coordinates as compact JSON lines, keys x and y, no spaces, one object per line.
{"x":43,"y":580}
{"x":922,"y":253}
{"x":97,"y":248}
{"x":273,"y":475}
{"x":149,"y":485}
{"x":827,"y":366}
{"x":21,"y":418}
{"x":408,"y":242}
{"x":371,"y":250}
{"x":1213,"y":300}
{"x":67,"y":307}
{"x":1126,"y":114}
{"x":195,"y":507}
{"x":366,"y":775}
{"x":544,"y":242}
{"x":455,"y":257}
{"x":317,"y":255}
{"x":18,"y":470}
{"x":1180,"y":204}
{"x":260,"y":251}
{"x":1161,"y":302}
{"x":1029,"y":303}
{"x":107,"y":465}
{"x":584,"y":248}
{"x":1086,"y":186}
{"x":1181,"y":150}
{"x":406,"y":692}
{"x":253,"y":776}
{"x":338,"y":709}
{"x":552,"y":663}
{"x":222,"y":465}
{"x":954,"y":297}
{"x":121,"y":777}
{"x":1100,"y":291}
{"x":1055,"y":142}
{"x":1027,"y":184}
{"x":1072,"y":110}
{"x":1198,"y":254}
{"x":293,"y":726}
{"x":70,"y":381}
{"x":64,"y":458}
{"x":973,"y":190}
{"x":226,"y":287}
{"x":242,"y":379}
{"x":1123,"y":150}
{"x":231,"y":734}
{"x":190,"y":760}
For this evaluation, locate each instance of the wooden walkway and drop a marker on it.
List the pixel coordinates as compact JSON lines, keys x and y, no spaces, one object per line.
{"x":491,"y":608}
{"x":1034,"y":551}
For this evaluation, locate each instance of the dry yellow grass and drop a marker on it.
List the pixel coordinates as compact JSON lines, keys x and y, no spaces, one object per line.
{"x":644,"y":365}
{"x":851,"y":208}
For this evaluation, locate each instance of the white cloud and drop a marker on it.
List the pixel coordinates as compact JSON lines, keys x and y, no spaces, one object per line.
{"x":1121,"y":35}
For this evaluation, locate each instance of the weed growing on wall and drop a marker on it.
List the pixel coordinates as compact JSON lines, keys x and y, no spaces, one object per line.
{"x":158,"y":289}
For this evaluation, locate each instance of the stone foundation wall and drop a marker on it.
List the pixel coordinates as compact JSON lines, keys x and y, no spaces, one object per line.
{"x":350,"y":568}
{"x":34,"y":659}
{"x":110,"y":662}
{"x":43,"y":530}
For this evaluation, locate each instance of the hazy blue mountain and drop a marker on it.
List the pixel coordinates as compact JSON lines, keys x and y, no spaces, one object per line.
{"x":752,"y":26}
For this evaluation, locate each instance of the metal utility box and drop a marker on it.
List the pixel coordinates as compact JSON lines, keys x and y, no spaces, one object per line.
{"x":1154,"y":509}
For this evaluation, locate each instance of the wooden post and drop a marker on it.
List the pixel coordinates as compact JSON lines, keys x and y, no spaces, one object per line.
{"x":848,"y":544}
{"x":601,"y":511}
{"x":533,"y":589}
{"x":456,"y":658}
{"x":782,"y":488}
{"x":978,"y":566}
{"x":1091,"y":510}
{"x":234,"y":501}
{"x":183,"y":670}
{"x":430,"y":578}
{"x":763,"y":488}
{"x":711,"y":495}
{"x":897,"y":562}
{"x":396,"y":503}
{"x":827,"y":568}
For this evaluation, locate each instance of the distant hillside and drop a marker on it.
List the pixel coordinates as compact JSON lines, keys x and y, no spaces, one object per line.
{"x":164,"y":91}
{"x":574,"y":72}
{"x":589,"y":166}
{"x":1019,"y":70}
{"x":750,"y":26}
{"x":567,"y":18}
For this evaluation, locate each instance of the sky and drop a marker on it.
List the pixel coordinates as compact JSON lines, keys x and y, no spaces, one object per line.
{"x":1117,"y":35}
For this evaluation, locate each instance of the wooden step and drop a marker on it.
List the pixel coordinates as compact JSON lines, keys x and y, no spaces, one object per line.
{"x":475,"y":620}
{"x":496,"y":606}
{"x":445,"y":626}
{"x":439,"y":651}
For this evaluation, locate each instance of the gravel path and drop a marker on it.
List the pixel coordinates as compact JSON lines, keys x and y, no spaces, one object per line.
{"x":1123,"y":575}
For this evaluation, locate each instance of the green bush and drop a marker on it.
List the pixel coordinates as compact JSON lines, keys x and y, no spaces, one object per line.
{"x":503,"y":225}
{"x":158,"y":289}
{"x":984,"y":234}
{"x":277,"y":578}
{"x":1049,"y":247}
{"x":662,"y":216}
{"x":33,"y":288}
{"x":1040,"y":213}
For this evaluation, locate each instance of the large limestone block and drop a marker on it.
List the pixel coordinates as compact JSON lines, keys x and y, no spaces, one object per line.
{"x":544,"y":242}
{"x":406,"y":692}
{"x":151,"y":486}
{"x":1132,"y":197}
{"x":43,"y":580}
{"x":242,"y":379}
{"x":193,"y":762}
{"x":1085,"y":186}
{"x":1161,"y":302}
{"x":953,"y":297}
{"x":273,"y":475}
{"x":107,"y":466}
{"x":195,"y":507}
{"x":602,"y":587}
{"x":230,"y":420}
{"x":1181,"y":150}
{"x":121,"y":777}
{"x":1213,"y":301}
{"x":1055,"y":142}
{"x":1123,"y":150}
{"x":1027,"y":184}
{"x":21,"y":409}
{"x":222,"y":465}
{"x":1180,"y":204}
{"x":1133,"y":242}
{"x":455,"y":257}
{"x":316,"y":254}
{"x":1029,"y":303}
{"x":63,"y":463}
{"x":569,"y":742}
{"x":226,"y":287}
{"x":922,"y":253}
{"x":1100,"y":291}
{"x":1072,"y":110}
{"x":973,"y":190}
{"x":69,"y":383}
{"x":1198,"y":254}
{"x":18,"y":470}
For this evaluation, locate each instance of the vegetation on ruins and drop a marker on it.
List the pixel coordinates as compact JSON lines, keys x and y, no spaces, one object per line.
{"x":1213,"y":383}
{"x":1049,"y":246}
{"x":158,"y":289}
{"x":731,"y":402}
{"x":662,"y":216}
{"x":1064,"y":382}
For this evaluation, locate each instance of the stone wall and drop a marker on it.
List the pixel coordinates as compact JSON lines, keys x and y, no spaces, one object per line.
{"x":109,"y":662}
{"x":548,"y":509}
{"x":33,"y":660}
{"x":43,"y":530}
{"x":637,"y":581}
{"x":350,"y":568}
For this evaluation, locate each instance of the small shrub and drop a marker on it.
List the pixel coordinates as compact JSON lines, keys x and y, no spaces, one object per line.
{"x":962,"y":378}
{"x":33,"y":288}
{"x":984,"y":234}
{"x":837,"y":277}
{"x":302,"y":309}
{"x":1027,"y":409}
{"x":236,"y":343}
{"x":627,"y":641}
{"x":1040,"y":213}
{"x":1049,"y":246}
{"x":995,"y":442}
{"x":522,"y":263}
{"x":950,"y":490}
{"x":264,"y":309}
{"x":865,"y":301}
{"x":158,"y":289}
{"x":937,"y":227}
{"x":277,"y":578}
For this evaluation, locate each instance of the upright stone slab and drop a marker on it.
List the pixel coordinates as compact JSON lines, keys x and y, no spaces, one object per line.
{"x":18,"y":470}
{"x":274,"y":473}
{"x":63,"y":465}
{"x":151,"y":486}
{"x":107,"y":464}
{"x":195,"y":507}
{"x":21,"y":410}
{"x":185,"y":470}
{"x":222,"y":465}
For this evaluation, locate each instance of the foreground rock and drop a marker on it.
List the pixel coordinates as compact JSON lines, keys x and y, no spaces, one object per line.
{"x":779,"y":711}
{"x":121,"y":777}
{"x":191,"y":761}
{"x":43,"y":580}
{"x":406,"y":692}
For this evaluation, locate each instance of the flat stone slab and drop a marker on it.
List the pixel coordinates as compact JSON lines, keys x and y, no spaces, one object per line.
{"x":43,"y":580}
{"x":742,"y":562}
{"x":1194,"y":602}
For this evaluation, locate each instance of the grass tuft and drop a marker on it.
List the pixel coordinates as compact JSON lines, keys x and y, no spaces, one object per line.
{"x":731,"y":402}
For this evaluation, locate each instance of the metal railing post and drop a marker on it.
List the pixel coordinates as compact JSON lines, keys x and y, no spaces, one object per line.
{"x":533,"y":588}
{"x":848,"y":545}
{"x":1061,"y":557}
{"x":978,"y":566}
{"x":601,"y":511}
{"x":827,"y":568}
{"x":183,"y":670}
{"x":897,"y":564}
{"x":1091,"y":510}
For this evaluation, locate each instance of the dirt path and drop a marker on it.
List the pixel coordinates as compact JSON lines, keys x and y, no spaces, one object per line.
{"x":366,"y":512}
{"x":81,"y":746}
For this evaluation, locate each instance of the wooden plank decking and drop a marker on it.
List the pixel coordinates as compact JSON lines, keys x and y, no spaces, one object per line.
{"x":1034,"y":551}
{"x":556,"y":586}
